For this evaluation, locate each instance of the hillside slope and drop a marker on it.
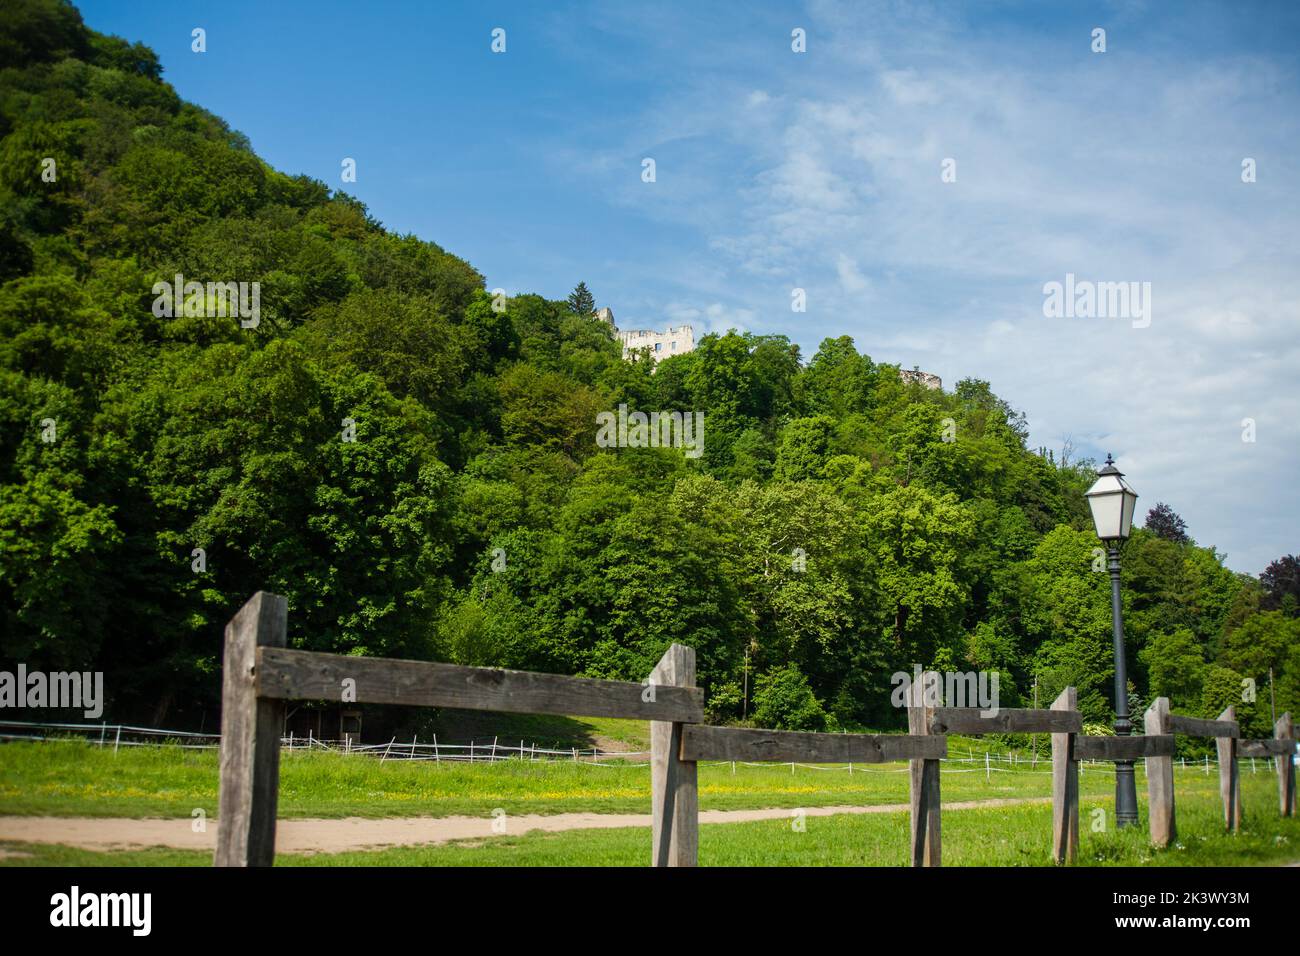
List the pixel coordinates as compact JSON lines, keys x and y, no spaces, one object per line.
{"x":415,"y":465}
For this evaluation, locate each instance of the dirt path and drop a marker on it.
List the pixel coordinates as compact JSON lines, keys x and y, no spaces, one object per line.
{"x":356,"y":833}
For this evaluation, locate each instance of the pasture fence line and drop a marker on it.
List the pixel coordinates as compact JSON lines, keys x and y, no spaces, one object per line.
{"x":117,"y":736}
{"x":120,"y":735}
{"x":260,"y":674}
{"x":106,"y":734}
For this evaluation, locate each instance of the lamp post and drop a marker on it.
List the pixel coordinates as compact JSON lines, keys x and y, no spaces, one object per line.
{"x":1111,"y":500}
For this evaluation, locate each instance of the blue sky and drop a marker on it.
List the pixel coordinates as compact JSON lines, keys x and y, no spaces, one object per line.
{"x":821,"y":170}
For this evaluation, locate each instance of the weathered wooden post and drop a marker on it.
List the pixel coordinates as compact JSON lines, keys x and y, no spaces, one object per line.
{"x":1284,"y":730}
{"x":1160,"y":777}
{"x":1065,"y":786}
{"x":674,"y":796}
{"x":1229,"y":781}
{"x":924,"y":780}
{"x":250,"y":737}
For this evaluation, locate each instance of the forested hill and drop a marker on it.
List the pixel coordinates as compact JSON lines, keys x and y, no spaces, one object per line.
{"x":415,"y":465}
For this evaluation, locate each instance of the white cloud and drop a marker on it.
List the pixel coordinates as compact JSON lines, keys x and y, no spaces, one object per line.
{"x":852,"y":280}
{"x":908,"y":89}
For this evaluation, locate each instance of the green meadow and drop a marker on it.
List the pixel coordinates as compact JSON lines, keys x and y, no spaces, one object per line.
{"x":73,"y":778}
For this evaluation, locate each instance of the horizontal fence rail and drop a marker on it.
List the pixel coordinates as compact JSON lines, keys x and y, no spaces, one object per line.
{"x":259,"y":674}
{"x":700,"y":742}
{"x":307,"y":675}
{"x":1200,"y":727}
{"x":1124,"y":748}
{"x":1264,"y":748}
{"x":1009,"y":720}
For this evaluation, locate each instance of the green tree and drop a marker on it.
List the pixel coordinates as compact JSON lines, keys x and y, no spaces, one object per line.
{"x":915,"y":540}
{"x":1176,"y":666}
{"x":805,"y":448}
{"x":784,"y":701}
{"x":581,"y":301}
{"x":1065,"y":611}
{"x":1261,"y":643}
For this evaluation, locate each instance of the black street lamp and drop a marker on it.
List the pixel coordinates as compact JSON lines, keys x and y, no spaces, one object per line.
{"x":1112,"y":500}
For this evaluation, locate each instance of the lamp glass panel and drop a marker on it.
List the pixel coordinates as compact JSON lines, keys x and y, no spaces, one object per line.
{"x":1107,"y":514}
{"x":1130,"y":503}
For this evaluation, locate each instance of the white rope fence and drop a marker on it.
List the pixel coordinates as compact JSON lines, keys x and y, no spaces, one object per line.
{"x":125,"y":735}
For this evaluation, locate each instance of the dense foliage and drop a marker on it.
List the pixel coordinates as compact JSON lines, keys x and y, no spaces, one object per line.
{"x":840,"y":525}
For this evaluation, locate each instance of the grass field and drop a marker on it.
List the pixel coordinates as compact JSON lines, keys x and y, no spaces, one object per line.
{"x":78,"y":779}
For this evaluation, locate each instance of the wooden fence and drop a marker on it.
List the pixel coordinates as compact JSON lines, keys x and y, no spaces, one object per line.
{"x":1157,"y":747}
{"x":260,"y":674}
{"x":1226,"y":733}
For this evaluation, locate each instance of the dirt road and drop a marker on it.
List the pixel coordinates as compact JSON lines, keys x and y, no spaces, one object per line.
{"x":356,"y":833}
